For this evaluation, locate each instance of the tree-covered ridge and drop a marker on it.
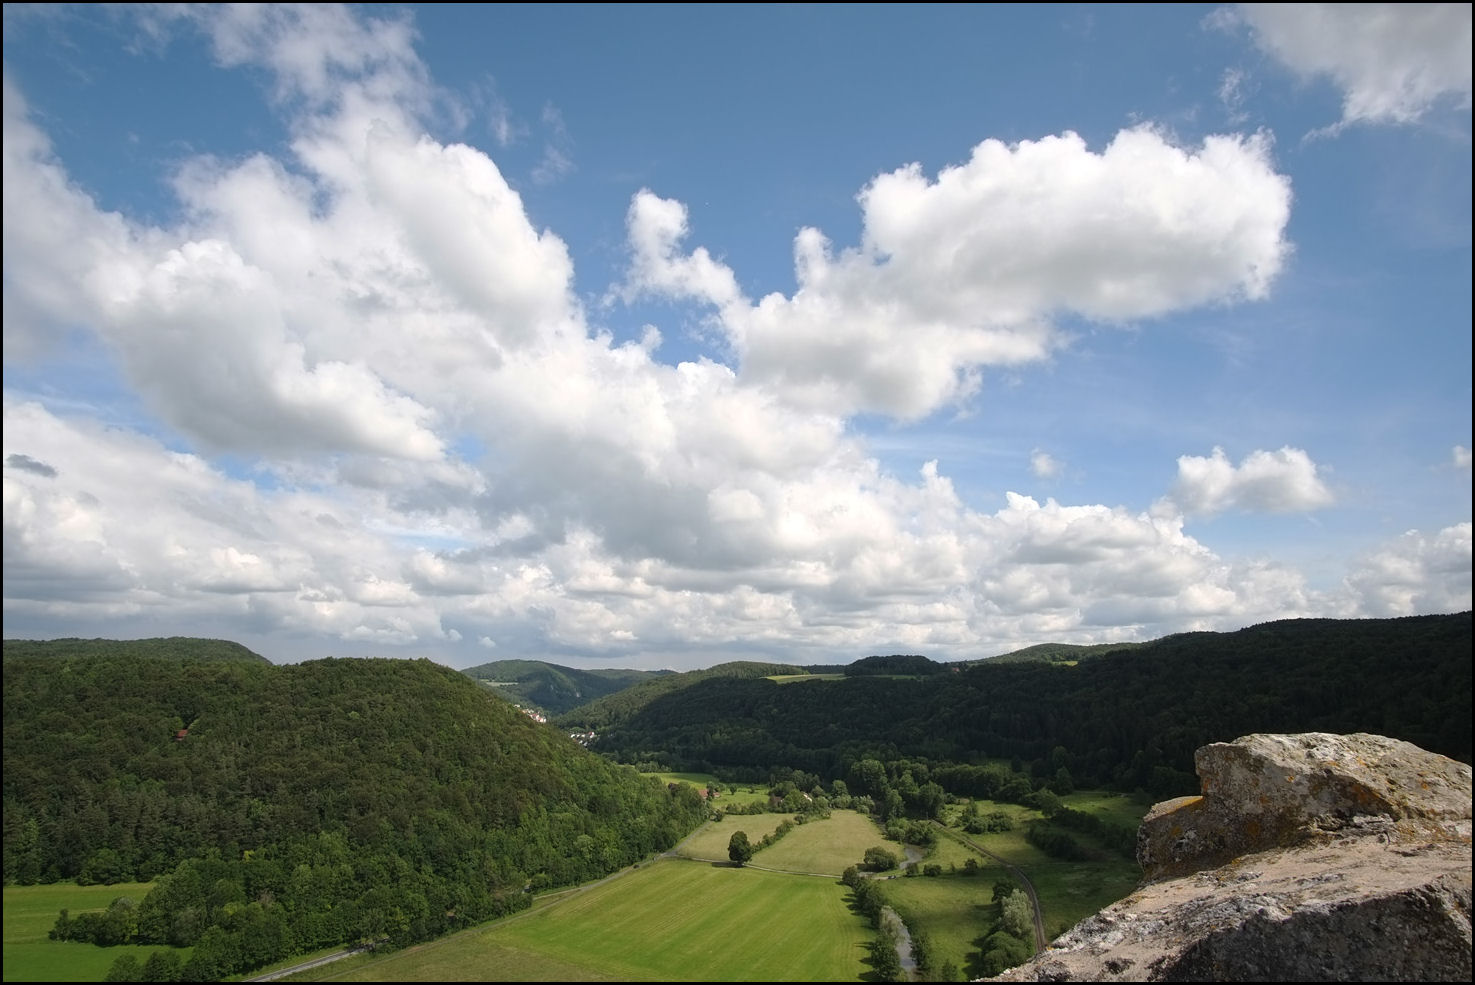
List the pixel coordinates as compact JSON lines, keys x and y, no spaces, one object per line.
{"x":895,"y":665}
{"x":161,"y":648}
{"x":552,"y":688}
{"x":1127,"y":719}
{"x":1060,"y":652}
{"x":621,"y":705}
{"x":354,"y":797}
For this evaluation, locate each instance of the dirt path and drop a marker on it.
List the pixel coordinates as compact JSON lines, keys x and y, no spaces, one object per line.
{"x":1016,"y":872}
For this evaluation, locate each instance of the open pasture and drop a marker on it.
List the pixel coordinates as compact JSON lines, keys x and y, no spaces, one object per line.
{"x":674,"y":920}
{"x":826,"y":846}
{"x":710,"y":840}
{"x":30,"y":913}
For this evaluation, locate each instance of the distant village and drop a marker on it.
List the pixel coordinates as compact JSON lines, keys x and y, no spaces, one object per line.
{"x":582,"y":738}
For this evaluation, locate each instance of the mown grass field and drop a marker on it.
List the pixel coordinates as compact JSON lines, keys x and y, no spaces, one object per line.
{"x":30,"y":913}
{"x":710,"y":840}
{"x":826,"y":846}
{"x":673,"y":920}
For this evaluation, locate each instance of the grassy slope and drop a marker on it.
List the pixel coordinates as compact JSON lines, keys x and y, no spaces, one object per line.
{"x":30,"y":913}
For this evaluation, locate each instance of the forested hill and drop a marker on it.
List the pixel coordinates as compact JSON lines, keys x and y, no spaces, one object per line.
{"x":164,"y":648}
{"x":1128,"y":719}
{"x":554,"y":689}
{"x":621,"y":705}
{"x":296,"y":807}
{"x":1060,"y":653}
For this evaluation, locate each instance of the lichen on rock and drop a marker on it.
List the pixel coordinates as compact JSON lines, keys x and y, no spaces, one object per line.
{"x":1310,"y":857}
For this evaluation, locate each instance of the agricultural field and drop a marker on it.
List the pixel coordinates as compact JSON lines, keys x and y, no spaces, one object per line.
{"x":793,"y":678}
{"x":826,"y":846}
{"x":695,"y":779}
{"x":30,"y":913}
{"x":673,"y":920}
{"x":710,"y":840}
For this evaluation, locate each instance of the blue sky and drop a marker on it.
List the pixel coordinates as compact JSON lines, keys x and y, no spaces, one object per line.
{"x":654,"y":336}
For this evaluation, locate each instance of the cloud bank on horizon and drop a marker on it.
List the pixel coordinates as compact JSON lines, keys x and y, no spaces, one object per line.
{"x":390,"y":338}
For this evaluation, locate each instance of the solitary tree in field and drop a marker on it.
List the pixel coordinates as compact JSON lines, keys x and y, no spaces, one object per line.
{"x":739,"y":849}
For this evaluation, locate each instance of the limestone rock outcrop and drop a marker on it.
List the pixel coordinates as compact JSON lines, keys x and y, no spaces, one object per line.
{"x":1310,"y":857}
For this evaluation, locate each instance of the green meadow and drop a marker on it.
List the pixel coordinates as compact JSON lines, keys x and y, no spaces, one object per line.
{"x":673,"y":920}
{"x":826,"y":846}
{"x":952,"y":910}
{"x":30,"y":913}
{"x":1069,"y":891}
{"x":710,"y":840}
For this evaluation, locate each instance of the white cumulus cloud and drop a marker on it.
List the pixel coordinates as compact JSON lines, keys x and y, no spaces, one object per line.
{"x":1392,"y":62}
{"x":1284,"y":481}
{"x":1044,"y":465}
{"x":1415,"y":573}
{"x":968,"y":270}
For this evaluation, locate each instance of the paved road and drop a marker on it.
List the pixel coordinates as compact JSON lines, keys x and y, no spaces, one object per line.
{"x":315,"y":962}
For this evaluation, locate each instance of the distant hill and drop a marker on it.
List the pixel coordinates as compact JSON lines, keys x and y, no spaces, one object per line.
{"x":1128,"y":718}
{"x":162,"y":648}
{"x":599,"y":714}
{"x":896,"y":665}
{"x":554,"y":689}
{"x":1058,"y":653}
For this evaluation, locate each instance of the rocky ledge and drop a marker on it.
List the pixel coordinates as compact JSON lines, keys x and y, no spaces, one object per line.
{"x":1308,"y":857}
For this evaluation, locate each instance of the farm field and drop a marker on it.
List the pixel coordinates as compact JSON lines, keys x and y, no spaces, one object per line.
{"x":30,"y":913}
{"x":710,"y":840}
{"x":826,"y":846}
{"x":674,"y":920}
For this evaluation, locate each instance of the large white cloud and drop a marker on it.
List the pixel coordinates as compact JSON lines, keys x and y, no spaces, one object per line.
{"x":968,"y":270}
{"x":1393,"y":62}
{"x":1284,"y":481}
{"x":440,"y":446}
{"x":1413,"y":574}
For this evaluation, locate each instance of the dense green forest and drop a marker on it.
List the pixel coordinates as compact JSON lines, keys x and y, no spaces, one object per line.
{"x":1060,"y":652}
{"x":1127,"y":719}
{"x":613,"y":708}
{"x":554,"y":689}
{"x":286,"y":808}
{"x":160,"y":648}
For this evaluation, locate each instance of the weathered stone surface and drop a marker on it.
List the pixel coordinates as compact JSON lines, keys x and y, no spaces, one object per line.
{"x":1274,"y":791}
{"x":1308,"y":858}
